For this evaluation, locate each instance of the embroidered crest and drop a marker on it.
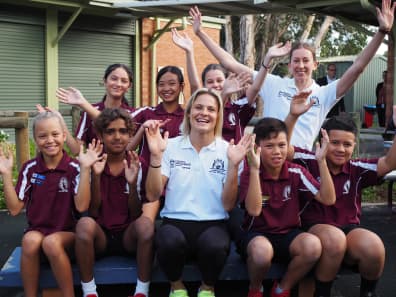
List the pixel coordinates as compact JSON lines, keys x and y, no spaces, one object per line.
{"x":231,"y":119}
{"x":346,"y":187}
{"x":217,"y":166}
{"x":63,"y":185}
{"x":126,"y":188}
{"x":286,"y":193}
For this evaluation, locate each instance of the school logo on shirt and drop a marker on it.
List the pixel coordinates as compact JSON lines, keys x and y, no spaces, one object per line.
{"x":289,"y":97}
{"x":126,"y":191}
{"x":179,"y":163}
{"x":37,"y":179}
{"x":346,"y":187}
{"x":286,"y":193}
{"x":231,"y":119}
{"x":264,"y":200}
{"x":63,"y":185}
{"x":217,"y":167}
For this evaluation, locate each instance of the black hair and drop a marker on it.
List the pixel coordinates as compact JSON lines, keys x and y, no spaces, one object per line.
{"x":113,"y":67}
{"x":266,"y":128}
{"x":109,"y":115}
{"x":342,"y":122}
{"x":171,"y":69}
{"x":210,"y":67}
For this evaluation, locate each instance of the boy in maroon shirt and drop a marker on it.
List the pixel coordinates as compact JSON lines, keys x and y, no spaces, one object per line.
{"x":52,"y":189}
{"x":120,"y":226}
{"x":273,"y":191}
{"x":355,"y":245}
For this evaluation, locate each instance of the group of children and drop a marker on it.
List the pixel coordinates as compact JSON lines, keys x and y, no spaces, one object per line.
{"x":301,"y":208}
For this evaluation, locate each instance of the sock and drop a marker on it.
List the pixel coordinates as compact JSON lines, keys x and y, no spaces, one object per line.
{"x":142,"y":287}
{"x":278,"y":290}
{"x":367,"y":286}
{"x":89,"y":288}
{"x":323,"y":289}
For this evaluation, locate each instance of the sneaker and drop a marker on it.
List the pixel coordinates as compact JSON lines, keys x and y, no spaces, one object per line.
{"x":205,"y":293}
{"x":255,"y":293}
{"x":285,"y":293}
{"x":138,"y":295}
{"x":178,"y":293}
{"x":91,"y":295}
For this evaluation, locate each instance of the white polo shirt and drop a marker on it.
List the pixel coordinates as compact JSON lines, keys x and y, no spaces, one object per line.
{"x":277,"y":92}
{"x":195,"y":180}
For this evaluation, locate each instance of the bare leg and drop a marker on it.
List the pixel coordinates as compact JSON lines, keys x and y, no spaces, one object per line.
{"x":260,"y":254}
{"x":30,"y":262}
{"x":55,"y":247}
{"x":305,"y":251}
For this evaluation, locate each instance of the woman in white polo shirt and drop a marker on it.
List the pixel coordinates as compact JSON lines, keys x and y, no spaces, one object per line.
{"x":277,"y":92}
{"x":199,"y":172}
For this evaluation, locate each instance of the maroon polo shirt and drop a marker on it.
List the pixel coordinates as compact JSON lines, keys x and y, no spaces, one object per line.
{"x":85,"y":129}
{"x":356,"y":175}
{"x":114,"y":210}
{"x":158,"y":113}
{"x":48,"y":194}
{"x":282,"y":199}
{"x":235,"y":119}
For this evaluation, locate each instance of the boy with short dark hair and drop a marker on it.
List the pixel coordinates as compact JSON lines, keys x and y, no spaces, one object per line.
{"x":273,"y":191}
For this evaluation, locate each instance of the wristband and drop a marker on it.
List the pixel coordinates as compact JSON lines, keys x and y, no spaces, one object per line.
{"x":265,"y":66}
{"x":152,"y":166}
{"x":383,"y":31}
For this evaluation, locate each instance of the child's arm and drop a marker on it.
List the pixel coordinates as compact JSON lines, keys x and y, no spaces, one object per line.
{"x":96,"y":196}
{"x":326,"y":194}
{"x":73,"y":143}
{"x":235,"y":153}
{"x":155,"y":181}
{"x":184,"y":42}
{"x":235,"y":84}
{"x":73,"y":96}
{"x":86,"y":160}
{"x":136,"y":140}
{"x":276,"y":50}
{"x":14,"y":204}
{"x":131,"y":175}
{"x":253,"y":200}
{"x":387,"y":163}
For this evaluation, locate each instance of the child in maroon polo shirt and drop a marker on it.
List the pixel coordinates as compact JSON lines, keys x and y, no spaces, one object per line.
{"x":361,"y":247}
{"x":116,"y":223}
{"x":273,"y":190}
{"x":52,"y":188}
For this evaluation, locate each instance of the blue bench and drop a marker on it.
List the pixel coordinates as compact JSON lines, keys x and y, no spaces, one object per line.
{"x":123,"y":270}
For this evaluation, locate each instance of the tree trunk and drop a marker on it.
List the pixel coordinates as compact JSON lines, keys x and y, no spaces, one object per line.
{"x":323,"y":30}
{"x":246,"y":27}
{"x":308,"y":28}
{"x":389,"y":78}
{"x":228,"y":35}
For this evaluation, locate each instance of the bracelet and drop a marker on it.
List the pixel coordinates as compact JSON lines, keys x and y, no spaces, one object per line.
{"x":152,"y":166}
{"x":382,"y":30}
{"x":265,"y":66}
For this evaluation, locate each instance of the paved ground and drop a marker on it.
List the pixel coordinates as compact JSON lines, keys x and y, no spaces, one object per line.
{"x":375,"y":217}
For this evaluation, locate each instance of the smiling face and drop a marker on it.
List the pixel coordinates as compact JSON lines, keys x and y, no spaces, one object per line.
{"x":302,"y":64}
{"x":169,"y":87}
{"x":274,"y":151}
{"x":204,"y":114}
{"x":49,"y":136}
{"x":340,"y":148}
{"x":214,"y":79}
{"x":117,"y":83}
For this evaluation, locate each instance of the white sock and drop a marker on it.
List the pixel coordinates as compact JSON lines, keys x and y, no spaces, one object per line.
{"x":89,"y":288}
{"x":142,"y":287}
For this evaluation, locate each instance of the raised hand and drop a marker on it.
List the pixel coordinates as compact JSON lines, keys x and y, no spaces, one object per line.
{"x":299,"y":104}
{"x":92,"y":154}
{"x":41,"y":108}
{"x":385,"y":15}
{"x":182,"y":40}
{"x":71,"y":96}
{"x":150,"y":123}
{"x":321,"y":150}
{"x":156,"y":143}
{"x":253,"y":154}
{"x":132,"y":169}
{"x":236,"y":152}
{"x":6,"y":159}
{"x":279,"y":50}
{"x":236,"y":83}
{"x":196,"y":19}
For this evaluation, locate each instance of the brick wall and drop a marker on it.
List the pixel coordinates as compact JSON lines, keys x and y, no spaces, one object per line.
{"x":169,"y":54}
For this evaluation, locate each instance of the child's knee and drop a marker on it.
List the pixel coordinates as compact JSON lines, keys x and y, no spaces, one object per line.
{"x":310,"y":248}
{"x":260,"y":252}
{"x":31,"y":242}
{"x":85,"y":228}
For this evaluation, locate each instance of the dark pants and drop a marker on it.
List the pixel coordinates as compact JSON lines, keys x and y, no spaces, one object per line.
{"x":206,"y":242}
{"x":381,"y":109}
